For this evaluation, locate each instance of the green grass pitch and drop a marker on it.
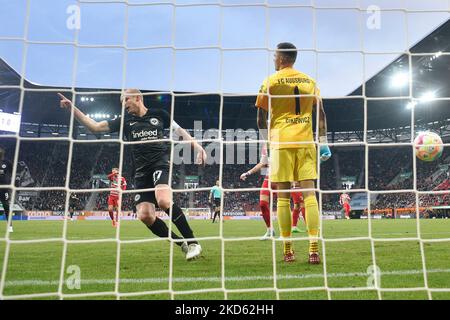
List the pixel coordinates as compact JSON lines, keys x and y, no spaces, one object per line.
{"x":35,"y":268}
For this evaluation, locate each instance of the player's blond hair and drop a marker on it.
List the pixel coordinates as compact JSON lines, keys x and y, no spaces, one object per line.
{"x":132,"y":92}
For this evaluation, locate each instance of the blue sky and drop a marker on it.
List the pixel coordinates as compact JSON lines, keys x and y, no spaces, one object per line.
{"x":237,"y":29}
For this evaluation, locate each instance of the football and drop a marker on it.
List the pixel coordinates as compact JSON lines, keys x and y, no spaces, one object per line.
{"x":428,"y":146}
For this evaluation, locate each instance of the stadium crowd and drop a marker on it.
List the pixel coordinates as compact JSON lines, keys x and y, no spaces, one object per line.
{"x":389,"y":169}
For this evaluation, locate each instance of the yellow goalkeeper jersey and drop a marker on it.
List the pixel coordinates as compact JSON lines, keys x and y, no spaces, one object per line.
{"x":290,"y":117}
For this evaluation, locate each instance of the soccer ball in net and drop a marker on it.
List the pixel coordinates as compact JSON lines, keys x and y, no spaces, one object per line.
{"x":428,"y":146}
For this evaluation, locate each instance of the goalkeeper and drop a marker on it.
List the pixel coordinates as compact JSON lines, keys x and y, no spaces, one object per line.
{"x":293,"y":152}
{"x":151,"y":163}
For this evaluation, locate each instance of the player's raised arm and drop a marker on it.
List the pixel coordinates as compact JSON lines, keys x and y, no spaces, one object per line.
{"x":91,"y":124}
{"x":111,"y":175}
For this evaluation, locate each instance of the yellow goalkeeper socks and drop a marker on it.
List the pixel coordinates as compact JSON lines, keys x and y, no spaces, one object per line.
{"x":284,"y":222}
{"x":287,"y":247}
{"x":312,"y":221}
{"x":284,"y":216}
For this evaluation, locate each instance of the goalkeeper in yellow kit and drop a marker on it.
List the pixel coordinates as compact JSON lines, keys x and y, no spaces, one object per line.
{"x":292,"y":147}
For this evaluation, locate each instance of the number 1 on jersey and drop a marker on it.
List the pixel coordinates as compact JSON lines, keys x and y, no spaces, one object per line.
{"x":297,"y":100}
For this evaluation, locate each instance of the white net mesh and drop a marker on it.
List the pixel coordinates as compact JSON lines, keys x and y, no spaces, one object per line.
{"x":225,"y":282}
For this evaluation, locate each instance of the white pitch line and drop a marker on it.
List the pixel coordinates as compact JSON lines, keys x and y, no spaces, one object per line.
{"x":219,"y":279}
{"x":413,"y":235}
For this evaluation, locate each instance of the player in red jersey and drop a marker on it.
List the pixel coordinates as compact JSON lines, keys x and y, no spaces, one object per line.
{"x":299,"y":206}
{"x":344,"y":201}
{"x":264,"y":196}
{"x":113,"y":198}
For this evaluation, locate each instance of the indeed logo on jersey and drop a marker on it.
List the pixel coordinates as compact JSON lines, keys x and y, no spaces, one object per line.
{"x":145,"y":134}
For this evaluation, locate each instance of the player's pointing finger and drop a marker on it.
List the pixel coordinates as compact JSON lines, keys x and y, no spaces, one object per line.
{"x":62,"y":97}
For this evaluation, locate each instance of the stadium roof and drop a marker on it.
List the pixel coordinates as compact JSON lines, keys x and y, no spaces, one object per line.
{"x":388,"y":110}
{"x":430,"y":73}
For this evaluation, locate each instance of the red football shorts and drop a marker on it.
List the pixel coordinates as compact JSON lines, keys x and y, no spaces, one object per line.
{"x":347,"y":207}
{"x":113,"y":201}
{"x":265,"y":185}
{"x":297,"y":196}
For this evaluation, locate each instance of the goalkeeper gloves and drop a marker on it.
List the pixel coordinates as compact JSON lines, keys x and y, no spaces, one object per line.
{"x":325,"y":152}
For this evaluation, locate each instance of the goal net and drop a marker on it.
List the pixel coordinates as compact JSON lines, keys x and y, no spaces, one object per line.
{"x":383,"y":78}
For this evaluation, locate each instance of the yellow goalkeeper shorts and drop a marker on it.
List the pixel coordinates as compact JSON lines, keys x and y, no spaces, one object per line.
{"x":293,"y":164}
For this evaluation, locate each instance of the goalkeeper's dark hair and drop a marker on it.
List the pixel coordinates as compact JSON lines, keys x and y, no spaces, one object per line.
{"x":288,"y":50}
